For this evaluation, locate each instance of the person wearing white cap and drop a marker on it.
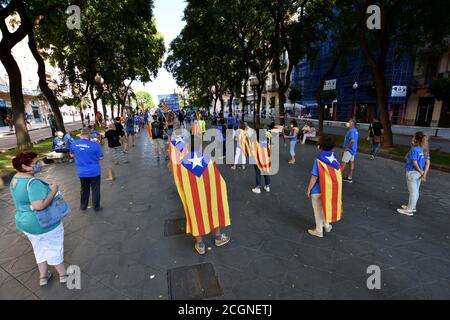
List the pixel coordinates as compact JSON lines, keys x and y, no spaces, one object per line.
{"x":60,"y":146}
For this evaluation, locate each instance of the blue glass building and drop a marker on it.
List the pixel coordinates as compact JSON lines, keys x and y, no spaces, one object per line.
{"x":359,"y":103}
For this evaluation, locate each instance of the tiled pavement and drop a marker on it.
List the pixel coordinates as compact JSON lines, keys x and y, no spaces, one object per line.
{"x":123,"y":253}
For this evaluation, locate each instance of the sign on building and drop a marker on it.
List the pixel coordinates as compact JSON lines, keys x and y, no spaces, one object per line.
{"x":171,"y":101}
{"x":399,"y":91}
{"x":330,"y":85}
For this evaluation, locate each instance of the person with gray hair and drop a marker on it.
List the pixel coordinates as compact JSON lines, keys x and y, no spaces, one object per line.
{"x":350,"y":149}
{"x":87,"y":161}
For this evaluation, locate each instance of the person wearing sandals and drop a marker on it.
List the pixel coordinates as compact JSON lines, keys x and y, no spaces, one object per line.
{"x":417,"y":166}
{"x":47,"y":243}
{"x":292,"y":138}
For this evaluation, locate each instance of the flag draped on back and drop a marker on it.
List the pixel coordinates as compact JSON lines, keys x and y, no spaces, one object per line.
{"x":330,"y":178}
{"x":202,"y":190}
{"x":244,"y":143}
{"x":261,"y":152}
{"x":149,"y":128}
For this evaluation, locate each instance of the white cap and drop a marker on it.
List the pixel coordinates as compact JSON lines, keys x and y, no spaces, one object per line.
{"x":60,"y":134}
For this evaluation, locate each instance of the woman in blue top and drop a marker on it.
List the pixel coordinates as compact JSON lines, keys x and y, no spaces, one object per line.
{"x":47,"y":243}
{"x":292,"y":137}
{"x":417,"y":166}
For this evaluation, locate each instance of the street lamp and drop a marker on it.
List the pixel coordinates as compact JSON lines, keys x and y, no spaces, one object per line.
{"x":355,"y":88}
{"x":254,"y":83}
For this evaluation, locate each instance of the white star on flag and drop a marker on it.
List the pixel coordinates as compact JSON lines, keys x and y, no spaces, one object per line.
{"x":178,"y":140}
{"x":196,"y":161}
{"x":332,"y":158}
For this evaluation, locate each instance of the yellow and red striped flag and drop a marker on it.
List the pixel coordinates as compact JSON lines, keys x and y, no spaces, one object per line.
{"x":330,"y":177}
{"x":261,"y":152}
{"x":202,"y":190}
{"x":164,"y":106}
{"x":149,"y":128}
{"x":244,"y":143}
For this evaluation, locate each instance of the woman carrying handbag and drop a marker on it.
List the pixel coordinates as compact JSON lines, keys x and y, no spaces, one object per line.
{"x":31,"y":196}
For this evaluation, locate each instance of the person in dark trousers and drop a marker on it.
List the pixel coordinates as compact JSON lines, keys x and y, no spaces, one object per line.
{"x":87,"y":161}
{"x":52,"y":123}
{"x":376,"y":132}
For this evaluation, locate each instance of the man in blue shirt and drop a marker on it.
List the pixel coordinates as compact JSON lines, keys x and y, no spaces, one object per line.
{"x":350,"y":149}
{"x":87,"y":161}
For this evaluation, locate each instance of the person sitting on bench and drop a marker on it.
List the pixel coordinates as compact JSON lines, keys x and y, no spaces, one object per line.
{"x":308,"y":131}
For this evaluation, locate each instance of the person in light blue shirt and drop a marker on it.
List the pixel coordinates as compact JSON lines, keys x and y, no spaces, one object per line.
{"x":417,"y":167}
{"x":293,"y":139}
{"x":87,"y":161}
{"x":350,"y":149}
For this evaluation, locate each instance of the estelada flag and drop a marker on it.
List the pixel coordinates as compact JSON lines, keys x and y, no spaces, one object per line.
{"x":149,"y":128}
{"x":244,"y":143}
{"x":261,"y":152}
{"x":330,"y":178}
{"x":203,"y":192}
{"x":164,"y":106}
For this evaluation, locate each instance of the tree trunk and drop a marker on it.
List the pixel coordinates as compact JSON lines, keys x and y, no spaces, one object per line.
{"x":95,"y":103}
{"x":43,"y":85}
{"x":380,"y":83}
{"x":258,"y":106}
{"x":231,"y":102}
{"x":82,"y":111}
{"x":17,"y":100}
{"x":104,"y":110}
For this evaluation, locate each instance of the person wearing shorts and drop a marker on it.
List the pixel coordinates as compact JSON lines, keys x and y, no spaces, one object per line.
{"x":350,"y":149}
{"x":129,"y":124}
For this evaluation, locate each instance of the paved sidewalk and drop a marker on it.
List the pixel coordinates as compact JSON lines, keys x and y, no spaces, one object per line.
{"x":124,"y":254}
{"x":9,"y":141}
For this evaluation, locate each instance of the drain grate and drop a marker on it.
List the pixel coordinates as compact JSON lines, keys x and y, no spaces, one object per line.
{"x":174,"y":227}
{"x":193,"y":283}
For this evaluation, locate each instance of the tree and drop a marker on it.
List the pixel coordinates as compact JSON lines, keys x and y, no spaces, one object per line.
{"x":407,"y":24}
{"x":295,"y":94}
{"x":145,"y":99}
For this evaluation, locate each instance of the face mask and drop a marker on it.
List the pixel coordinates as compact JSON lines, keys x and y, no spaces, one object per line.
{"x":37,"y":167}
{"x":347,"y":125}
{"x":318,"y":147}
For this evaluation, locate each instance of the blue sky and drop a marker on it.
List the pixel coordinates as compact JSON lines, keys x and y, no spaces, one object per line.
{"x":169,"y":15}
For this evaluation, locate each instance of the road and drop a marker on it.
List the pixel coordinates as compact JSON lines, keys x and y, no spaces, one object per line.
{"x":9,"y":142}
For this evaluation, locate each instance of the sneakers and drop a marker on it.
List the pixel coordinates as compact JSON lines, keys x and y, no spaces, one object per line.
{"x":233,"y":168}
{"x":267,"y":188}
{"x":200,"y":248}
{"x":371,"y":157}
{"x":44,"y":281}
{"x":328,"y":228}
{"x":405,"y":207}
{"x":349,"y":180}
{"x":406,"y":212}
{"x":221,"y":240}
{"x":257,"y":190}
{"x":315,"y":233}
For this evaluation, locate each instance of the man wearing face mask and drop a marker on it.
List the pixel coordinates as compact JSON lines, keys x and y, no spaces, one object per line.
{"x":350,"y":149}
{"x":87,"y":161}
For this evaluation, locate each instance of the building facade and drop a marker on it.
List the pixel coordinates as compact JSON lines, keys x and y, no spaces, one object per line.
{"x":350,"y":91}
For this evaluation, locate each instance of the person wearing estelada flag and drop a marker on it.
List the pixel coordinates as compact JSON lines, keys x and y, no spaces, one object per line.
{"x":203,"y":192}
{"x":260,"y":148}
{"x":325,"y":188}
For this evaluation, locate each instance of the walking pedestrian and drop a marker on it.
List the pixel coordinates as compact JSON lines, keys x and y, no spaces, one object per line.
{"x":292,"y":138}
{"x":113,"y":137}
{"x":158,"y":138}
{"x":29,"y":195}
{"x":52,"y":123}
{"x":87,"y":161}
{"x":376,"y":132}
{"x":325,"y":162}
{"x":418,"y":164}
{"x":261,"y":154}
{"x":350,"y":149}
{"x":130,"y":122}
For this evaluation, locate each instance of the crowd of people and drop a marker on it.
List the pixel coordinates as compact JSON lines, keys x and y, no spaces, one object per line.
{"x":31,"y":195}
